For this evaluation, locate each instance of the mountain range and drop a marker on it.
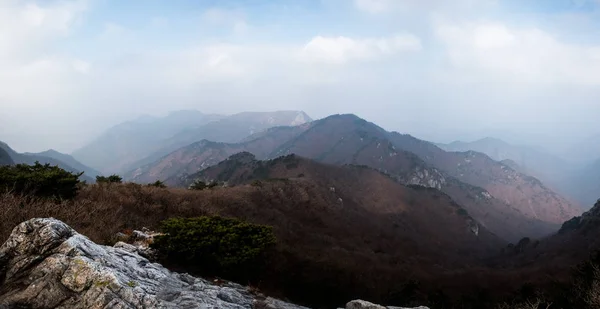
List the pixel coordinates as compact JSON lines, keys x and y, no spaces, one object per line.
{"x":132,"y":144}
{"x":350,"y":202}
{"x":419,"y":211}
{"x":509,"y":203}
{"x":502,"y":186}
{"x":538,"y":163}
{"x":52,"y":157}
{"x":573,"y":174}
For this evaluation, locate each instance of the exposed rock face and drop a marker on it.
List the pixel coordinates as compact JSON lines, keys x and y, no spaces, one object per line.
{"x":46,"y":264}
{"x":361,"y":304}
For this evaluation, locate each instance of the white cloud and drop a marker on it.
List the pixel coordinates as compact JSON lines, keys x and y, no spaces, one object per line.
{"x":340,"y":50}
{"x":373,"y":6}
{"x":415,"y":65}
{"x":81,"y":66}
{"x":220,"y":17}
{"x":425,"y":7}
{"x":25,"y":27}
{"x":531,"y":55}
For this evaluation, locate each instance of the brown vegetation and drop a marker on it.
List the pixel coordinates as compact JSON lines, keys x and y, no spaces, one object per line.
{"x":347,"y":139}
{"x":326,"y":254}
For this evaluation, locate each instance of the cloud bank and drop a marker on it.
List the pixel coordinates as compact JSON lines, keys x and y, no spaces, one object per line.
{"x":72,"y":68}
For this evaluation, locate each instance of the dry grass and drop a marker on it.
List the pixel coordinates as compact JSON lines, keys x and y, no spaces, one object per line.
{"x":100,"y":211}
{"x":326,"y":256}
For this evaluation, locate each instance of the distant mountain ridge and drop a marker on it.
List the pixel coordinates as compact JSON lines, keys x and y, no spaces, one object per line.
{"x":540,"y":164}
{"x":129,"y":141}
{"x":134,"y":144}
{"x":69,"y":160}
{"x":5,"y":158}
{"x":199,"y":155}
{"x":533,"y":198}
{"x":348,"y":139}
{"x":31,"y":158}
{"x":554,"y":171}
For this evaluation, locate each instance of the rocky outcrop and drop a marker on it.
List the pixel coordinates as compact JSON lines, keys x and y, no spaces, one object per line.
{"x":588,"y":220}
{"x":46,"y":264}
{"x":361,"y":304}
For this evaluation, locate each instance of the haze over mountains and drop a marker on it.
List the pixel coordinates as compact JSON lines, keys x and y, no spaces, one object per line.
{"x":452,"y":206}
{"x":503,"y":198}
{"x":513,"y":191}
{"x":134,"y":143}
{"x":573,"y":174}
{"x":52,"y":157}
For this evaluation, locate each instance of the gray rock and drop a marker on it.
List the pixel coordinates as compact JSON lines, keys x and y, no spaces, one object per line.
{"x":139,"y":236}
{"x":361,"y":304}
{"x":46,"y":264}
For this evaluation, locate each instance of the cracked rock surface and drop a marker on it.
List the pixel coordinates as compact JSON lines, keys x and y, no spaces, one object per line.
{"x":46,"y":264}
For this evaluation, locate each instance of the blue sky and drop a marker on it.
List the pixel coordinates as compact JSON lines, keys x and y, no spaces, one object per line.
{"x":523,"y":70}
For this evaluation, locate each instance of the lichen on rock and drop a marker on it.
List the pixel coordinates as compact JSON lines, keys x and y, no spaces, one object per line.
{"x":46,"y":264}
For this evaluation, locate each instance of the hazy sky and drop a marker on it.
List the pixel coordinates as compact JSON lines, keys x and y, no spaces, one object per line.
{"x":438,"y":69}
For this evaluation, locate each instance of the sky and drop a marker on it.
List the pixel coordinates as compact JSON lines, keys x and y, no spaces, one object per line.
{"x":522,"y":70}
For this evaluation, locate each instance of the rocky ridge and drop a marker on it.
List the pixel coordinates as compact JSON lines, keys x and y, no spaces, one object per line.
{"x":46,"y":264}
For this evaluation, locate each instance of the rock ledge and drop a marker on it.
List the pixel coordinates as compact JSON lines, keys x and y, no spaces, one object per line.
{"x":46,"y":264}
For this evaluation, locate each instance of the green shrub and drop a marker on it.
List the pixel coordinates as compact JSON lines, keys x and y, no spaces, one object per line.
{"x":462,"y":212}
{"x":201,"y":185}
{"x":198,"y":185}
{"x":158,"y":184}
{"x":215,"y":245}
{"x":110,"y":179}
{"x":39,"y":180}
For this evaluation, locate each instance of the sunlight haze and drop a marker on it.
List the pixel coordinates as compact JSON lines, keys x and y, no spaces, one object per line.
{"x":523,"y":71}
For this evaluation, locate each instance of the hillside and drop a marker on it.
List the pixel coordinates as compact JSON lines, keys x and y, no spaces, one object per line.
{"x":540,"y":164}
{"x":430,"y":220}
{"x":67,"y":159}
{"x":5,"y":158}
{"x":347,"y":139}
{"x":552,"y":170}
{"x":231,"y":129}
{"x":130,"y":141}
{"x":523,"y":192}
{"x":339,"y":237}
{"x":27,"y":158}
{"x":556,"y":254}
{"x":199,"y":155}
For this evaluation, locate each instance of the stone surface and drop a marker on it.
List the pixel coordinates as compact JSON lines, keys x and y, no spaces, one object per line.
{"x":46,"y":264}
{"x":361,"y":304}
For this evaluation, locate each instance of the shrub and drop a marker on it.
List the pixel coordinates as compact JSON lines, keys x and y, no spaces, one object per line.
{"x":462,"y":212}
{"x":201,"y":185}
{"x":110,"y":179}
{"x":220,"y":246}
{"x":197,"y":185}
{"x":212,"y":184}
{"x":158,"y":184}
{"x":39,"y":180}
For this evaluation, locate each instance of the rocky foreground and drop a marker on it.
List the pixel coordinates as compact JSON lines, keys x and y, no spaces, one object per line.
{"x":47,"y":264}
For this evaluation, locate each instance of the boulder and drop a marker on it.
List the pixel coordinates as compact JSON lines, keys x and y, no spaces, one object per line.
{"x":361,"y":304}
{"x":46,"y":264}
